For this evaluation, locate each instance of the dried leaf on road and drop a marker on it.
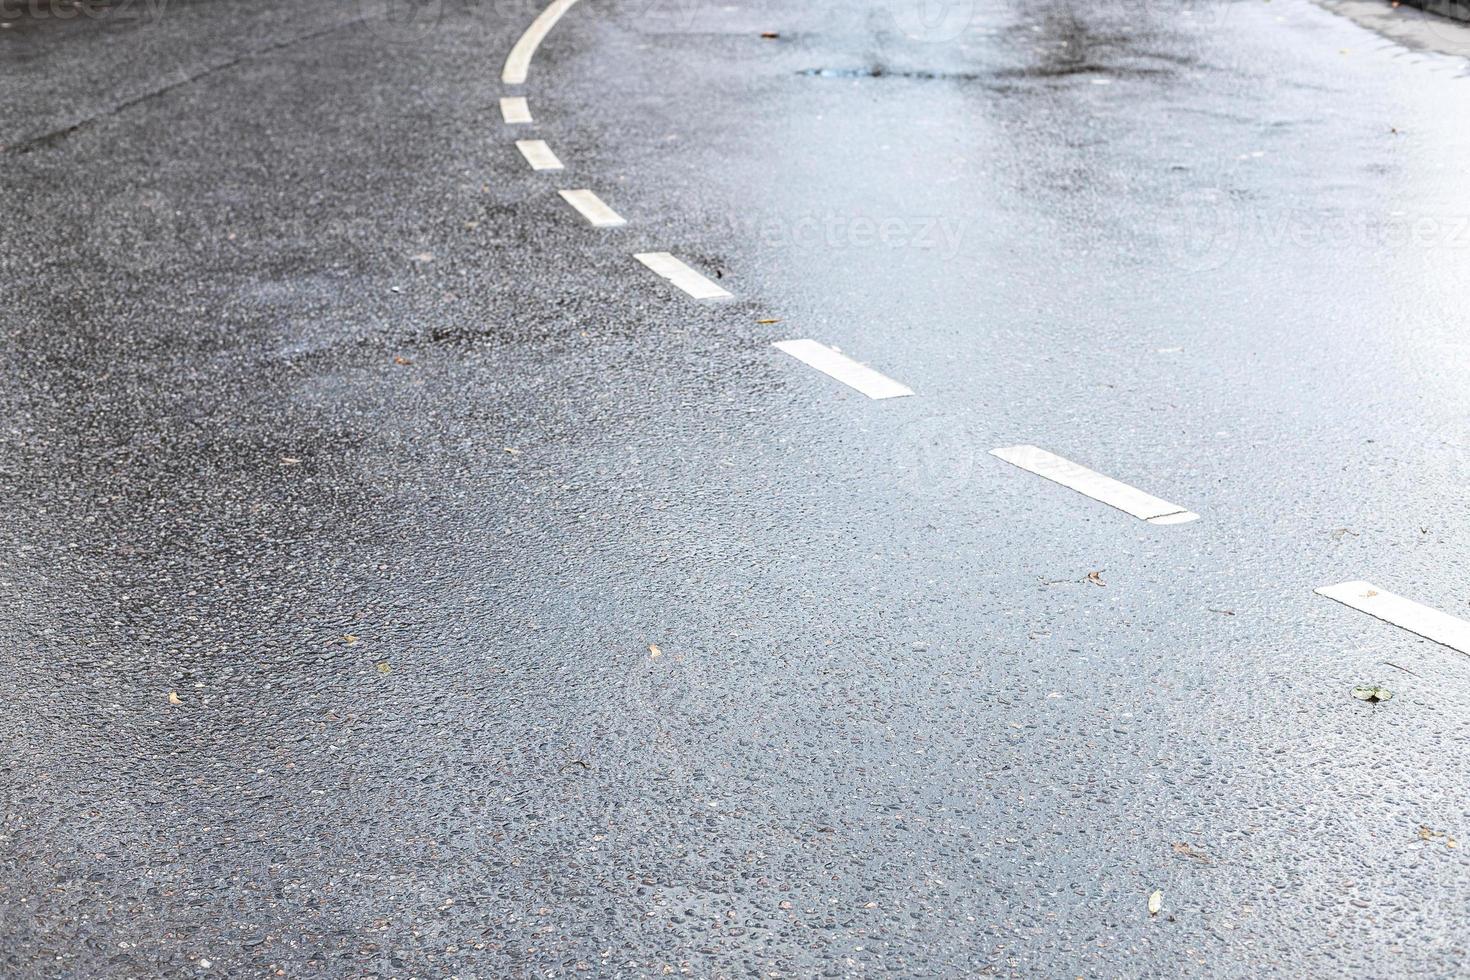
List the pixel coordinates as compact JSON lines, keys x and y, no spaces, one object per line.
{"x":1184,"y":850}
{"x":1372,"y":693}
{"x":384,"y":667}
{"x":173,"y":698}
{"x":1096,"y":577}
{"x":654,"y":652}
{"x":1425,"y":833}
{"x":350,"y":639}
{"x":1155,"y":902}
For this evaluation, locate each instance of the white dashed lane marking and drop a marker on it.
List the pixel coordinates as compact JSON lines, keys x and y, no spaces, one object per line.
{"x":1128,"y":499}
{"x":598,"y":214}
{"x":1404,"y":613}
{"x":837,"y":365}
{"x":513,"y":109}
{"x":681,"y":275}
{"x":518,"y":62}
{"x":538,"y":155}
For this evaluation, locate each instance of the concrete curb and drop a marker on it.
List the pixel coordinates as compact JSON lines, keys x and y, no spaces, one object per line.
{"x":1457,"y":9}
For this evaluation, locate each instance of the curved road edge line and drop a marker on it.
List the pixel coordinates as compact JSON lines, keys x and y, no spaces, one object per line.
{"x":518,"y":62}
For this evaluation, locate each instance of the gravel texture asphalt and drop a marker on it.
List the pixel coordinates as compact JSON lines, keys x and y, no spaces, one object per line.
{"x":400,"y":581}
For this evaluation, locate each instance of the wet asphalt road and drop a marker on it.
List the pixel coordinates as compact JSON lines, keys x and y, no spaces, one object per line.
{"x":324,"y":417}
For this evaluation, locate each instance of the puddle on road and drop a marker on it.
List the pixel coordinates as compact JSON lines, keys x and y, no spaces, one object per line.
{"x":1064,"y":71}
{"x":878,"y":71}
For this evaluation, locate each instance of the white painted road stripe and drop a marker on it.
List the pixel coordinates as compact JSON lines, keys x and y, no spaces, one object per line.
{"x":513,"y":109}
{"x":838,"y":365}
{"x":681,"y":275}
{"x":1128,"y":499}
{"x":538,"y":154}
{"x":1405,"y":613}
{"x":599,"y":215}
{"x":518,"y":63}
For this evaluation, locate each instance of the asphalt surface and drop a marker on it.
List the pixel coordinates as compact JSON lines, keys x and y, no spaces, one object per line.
{"x":401,"y":581}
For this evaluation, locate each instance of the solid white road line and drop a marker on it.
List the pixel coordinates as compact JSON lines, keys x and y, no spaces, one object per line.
{"x":598,"y":214}
{"x":513,"y":109}
{"x":681,"y":275}
{"x":1128,"y":499}
{"x":538,"y":154}
{"x":1405,"y":613}
{"x":837,"y":365}
{"x":518,"y":63}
